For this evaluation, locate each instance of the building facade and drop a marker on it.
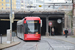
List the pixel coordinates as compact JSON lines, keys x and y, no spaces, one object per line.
{"x":34,"y":4}
{"x":5,"y":4}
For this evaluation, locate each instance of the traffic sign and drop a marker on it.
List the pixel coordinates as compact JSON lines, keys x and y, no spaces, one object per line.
{"x":50,"y":23}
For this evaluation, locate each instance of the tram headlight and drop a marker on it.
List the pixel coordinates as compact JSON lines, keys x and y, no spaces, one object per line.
{"x":36,"y":32}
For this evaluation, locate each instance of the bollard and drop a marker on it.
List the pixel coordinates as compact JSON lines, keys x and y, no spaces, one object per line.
{"x":9,"y":36}
{"x":1,"y":38}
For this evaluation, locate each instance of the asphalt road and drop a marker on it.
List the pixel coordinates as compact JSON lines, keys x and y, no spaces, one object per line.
{"x":44,"y":44}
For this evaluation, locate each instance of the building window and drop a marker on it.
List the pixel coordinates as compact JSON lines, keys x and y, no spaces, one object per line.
{"x":7,"y":0}
{"x":18,"y":3}
{"x":7,"y":5}
{"x":22,"y":5}
{"x":2,"y":0}
{"x":7,"y":8}
{"x":22,"y":1}
{"x":2,"y":7}
{"x":56,"y":7}
{"x":18,"y":7}
{"x":2,"y":4}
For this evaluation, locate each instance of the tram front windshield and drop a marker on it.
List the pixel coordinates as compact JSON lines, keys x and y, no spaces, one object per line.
{"x":32,"y":27}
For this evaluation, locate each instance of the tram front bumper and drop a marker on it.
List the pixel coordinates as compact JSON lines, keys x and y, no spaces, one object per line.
{"x":32,"y":37}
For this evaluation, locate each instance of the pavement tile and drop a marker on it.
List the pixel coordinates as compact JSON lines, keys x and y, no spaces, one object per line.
{"x":5,"y":45}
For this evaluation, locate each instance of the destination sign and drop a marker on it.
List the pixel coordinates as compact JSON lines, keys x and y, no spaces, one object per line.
{"x":32,"y":21}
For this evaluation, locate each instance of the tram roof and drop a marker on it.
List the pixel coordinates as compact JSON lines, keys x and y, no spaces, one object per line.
{"x":32,"y":18}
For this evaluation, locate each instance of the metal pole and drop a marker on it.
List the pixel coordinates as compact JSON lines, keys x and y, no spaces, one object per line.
{"x":1,"y":38}
{"x":11,"y":17}
{"x":47,"y":26}
{"x":50,"y":31}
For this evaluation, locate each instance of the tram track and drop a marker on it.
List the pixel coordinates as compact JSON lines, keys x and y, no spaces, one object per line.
{"x":47,"y":41}
{"x":50,"y":47}
{"x":43,"y":44}
{"x":49,"y":44}
{"x":32,"y":47}
{"x":36,"y":45}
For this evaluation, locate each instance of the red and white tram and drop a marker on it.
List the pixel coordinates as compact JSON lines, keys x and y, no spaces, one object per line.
{"x":29,"y":28}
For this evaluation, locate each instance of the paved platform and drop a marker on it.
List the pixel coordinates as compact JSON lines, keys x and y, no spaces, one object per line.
{"x":69,"y":39}
{"x":5,"y":45}
{"x":54,"y":41}
{"x":46,"y":43}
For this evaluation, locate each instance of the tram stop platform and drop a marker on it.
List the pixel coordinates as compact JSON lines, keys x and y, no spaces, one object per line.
{"x":6,"y":45}
{"x":70,"y":39}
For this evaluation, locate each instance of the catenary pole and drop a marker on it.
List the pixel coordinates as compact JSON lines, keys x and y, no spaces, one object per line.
{"x":11,"y":17}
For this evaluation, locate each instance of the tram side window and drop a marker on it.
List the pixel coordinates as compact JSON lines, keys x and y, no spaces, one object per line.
{"x":17,"y":29}
{"x":20,"y":29}
{"x":26,"y":29}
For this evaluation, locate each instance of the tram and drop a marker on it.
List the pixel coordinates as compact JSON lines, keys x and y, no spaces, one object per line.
{"x":29,"y":28}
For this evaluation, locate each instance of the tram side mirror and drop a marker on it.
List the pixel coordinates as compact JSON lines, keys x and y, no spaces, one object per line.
{"x":41,"y":23}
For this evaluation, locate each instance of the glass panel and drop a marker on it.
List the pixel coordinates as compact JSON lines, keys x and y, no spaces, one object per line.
{"x":2,"y":4}
{"x":32,"y":27}
{"x":7,"y":0}
{"x":2,"y":0}
{"x":7,"y":5}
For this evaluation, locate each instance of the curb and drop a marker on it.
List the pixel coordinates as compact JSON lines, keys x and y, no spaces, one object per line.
{"x":62,"y":40}
{"x":3,"y":46}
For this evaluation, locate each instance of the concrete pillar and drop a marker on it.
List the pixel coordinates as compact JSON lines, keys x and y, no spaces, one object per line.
{"x":65,"y":21}
{"x":74,"y":17}
{"x":74,"y":25}
{"x":69,"y":24}
{"x":47,"y":33}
